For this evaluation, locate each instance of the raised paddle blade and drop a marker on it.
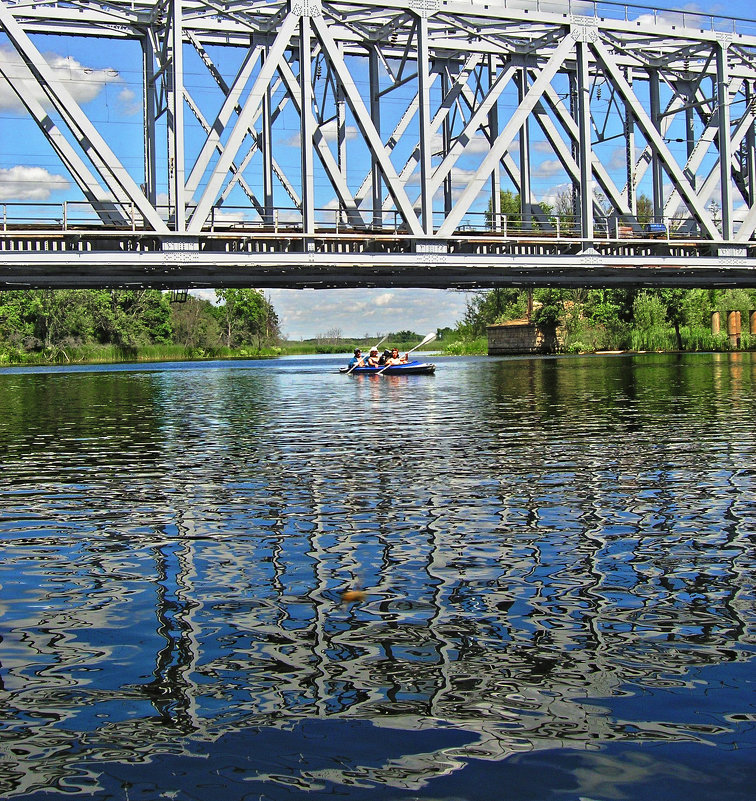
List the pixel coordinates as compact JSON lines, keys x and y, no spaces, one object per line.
{"x":428,"y":338}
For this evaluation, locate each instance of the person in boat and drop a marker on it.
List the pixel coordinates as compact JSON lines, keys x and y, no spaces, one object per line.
{"x":373,"y":359}
{"x":395,"y":359}
{"x":357,"y":360}
{"x":385,"y":356}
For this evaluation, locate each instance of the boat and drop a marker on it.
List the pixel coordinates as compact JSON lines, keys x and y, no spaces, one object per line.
{"x":408,"y":368}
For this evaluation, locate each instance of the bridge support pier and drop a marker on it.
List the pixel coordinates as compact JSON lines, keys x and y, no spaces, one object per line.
{"x":733,"y":328}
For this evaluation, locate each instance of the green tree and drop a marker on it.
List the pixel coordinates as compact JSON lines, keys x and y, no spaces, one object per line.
{"x":550,"y":307}
{"x":130,"y":318}
{"x":674,"y":304}
{"x":491,"y":306}
{"x":644,"y":209}
{"x":17,"y":317}
{"x":195,"y":325}
{"x":246,"y":315}
{"x":511,"y":209}
{"x":649,"y":311}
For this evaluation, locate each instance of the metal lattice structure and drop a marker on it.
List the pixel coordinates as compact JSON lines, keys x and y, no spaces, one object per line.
{"x":407,"y":120}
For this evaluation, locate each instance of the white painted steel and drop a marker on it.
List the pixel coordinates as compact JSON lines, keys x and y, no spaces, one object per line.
{"x":409,"y":94}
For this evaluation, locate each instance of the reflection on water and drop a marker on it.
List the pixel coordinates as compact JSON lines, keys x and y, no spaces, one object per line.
{"x":557,"y":557}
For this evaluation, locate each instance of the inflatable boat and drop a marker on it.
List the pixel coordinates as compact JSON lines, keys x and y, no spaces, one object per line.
{"x":409,"y":368}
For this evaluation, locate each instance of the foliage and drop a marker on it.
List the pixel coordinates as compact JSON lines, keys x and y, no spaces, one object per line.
{"x":486,"y":308}
{"x":466,"y":347}
{"x":245,"y":315}
{"x":511,"y":210}
{"x":405,"y":336}
{"x":102,"y":324}
{"x":616,"y":319}
{"x":550,"y":307}
{"x":649,"y":311}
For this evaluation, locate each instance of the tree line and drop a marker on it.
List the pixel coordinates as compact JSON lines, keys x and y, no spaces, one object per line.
{"x":617,"y":319}
{"x":58,"y":321}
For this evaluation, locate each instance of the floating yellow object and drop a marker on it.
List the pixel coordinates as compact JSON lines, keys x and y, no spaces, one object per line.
{"x":350,"y":596}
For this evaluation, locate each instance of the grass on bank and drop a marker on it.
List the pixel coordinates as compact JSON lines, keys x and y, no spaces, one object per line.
{"x":584,"y":339}
{"x":116,"y":354}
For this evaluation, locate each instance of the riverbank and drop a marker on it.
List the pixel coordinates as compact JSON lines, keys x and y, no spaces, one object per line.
{"x":113,"y":354}
{"x":117,"y":354}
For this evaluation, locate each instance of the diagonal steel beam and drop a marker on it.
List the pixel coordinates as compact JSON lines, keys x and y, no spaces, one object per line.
{"x":113,"y":173}
{"x":241,"y":128}
{"x":103,"y":205}
{"x":473,"y":124}
{"x":697,"y":157}
{"x":205,"y":125}
{"x":230,"y":104}
{"x":337,"y":178}
{"x":504,"y":139}
{"x":362,"y":117}
{"x":656,"y":140}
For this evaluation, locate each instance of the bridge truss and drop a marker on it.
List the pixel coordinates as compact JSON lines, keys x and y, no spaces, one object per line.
{"x":363,"y":143}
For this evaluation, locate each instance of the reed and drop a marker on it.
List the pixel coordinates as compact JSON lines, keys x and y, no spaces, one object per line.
{"x":466,"y":347}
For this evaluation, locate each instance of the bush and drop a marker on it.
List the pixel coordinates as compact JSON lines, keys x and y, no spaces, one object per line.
{"x":654,"y":338}
{"x":467,"y":347}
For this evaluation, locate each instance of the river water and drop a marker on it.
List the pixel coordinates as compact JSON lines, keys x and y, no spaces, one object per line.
{"x":556,"y":558}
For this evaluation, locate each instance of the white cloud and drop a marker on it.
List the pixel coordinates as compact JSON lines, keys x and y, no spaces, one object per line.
{"x":307,"y":313}
{"x":542,"y":146}
{"x":84,"y":83}
{"x":29,"y":183}
{"x":551,"y":196}
{"x":129,"y":102}
{"x":330,"y":132}
{"x":204,"y":294}
{"x":547,"y":168}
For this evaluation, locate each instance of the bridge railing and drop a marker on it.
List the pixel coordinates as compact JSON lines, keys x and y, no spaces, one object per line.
{"x":78,"y":216}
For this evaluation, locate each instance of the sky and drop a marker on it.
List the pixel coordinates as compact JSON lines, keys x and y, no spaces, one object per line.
{"x":105,"y":78}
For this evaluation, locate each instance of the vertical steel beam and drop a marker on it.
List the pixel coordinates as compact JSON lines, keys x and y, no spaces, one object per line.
{"x":725,"y":148}
{"x":148,"y":111}
{"x":446,"y":138}
{"x":375,"y":116}
{"x":750,"y":143}
{"x":524,"y":147}
{"x":307,"y":126}
{"x":586,"y":154}
{"x":493,"y":127}
{"x":423,"y":88}
{"x":575,"y":141}
{"x":630,"y":149}
{"x":176,"y":119}
{"x":657,"y":175}
{"x":341,"y":134}
{"x":267,"y":155}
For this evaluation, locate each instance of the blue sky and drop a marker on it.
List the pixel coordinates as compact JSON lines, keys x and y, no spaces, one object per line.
{"x":105,"y":78}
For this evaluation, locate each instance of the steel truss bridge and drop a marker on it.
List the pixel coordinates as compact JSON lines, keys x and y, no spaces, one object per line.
{"x":335,"y":143}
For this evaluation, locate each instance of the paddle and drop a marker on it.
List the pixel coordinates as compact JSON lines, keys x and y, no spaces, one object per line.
{"x":428,"y":338}
{"x":375,"y":346}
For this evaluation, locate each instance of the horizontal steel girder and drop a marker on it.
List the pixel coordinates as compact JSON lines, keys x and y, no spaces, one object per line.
{"x":321,"y":271}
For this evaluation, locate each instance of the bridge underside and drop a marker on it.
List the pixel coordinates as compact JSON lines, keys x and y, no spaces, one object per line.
{"x":527,"y":266}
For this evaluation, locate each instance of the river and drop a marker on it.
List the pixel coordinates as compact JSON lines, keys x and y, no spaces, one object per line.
{"x":552,"y":563}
